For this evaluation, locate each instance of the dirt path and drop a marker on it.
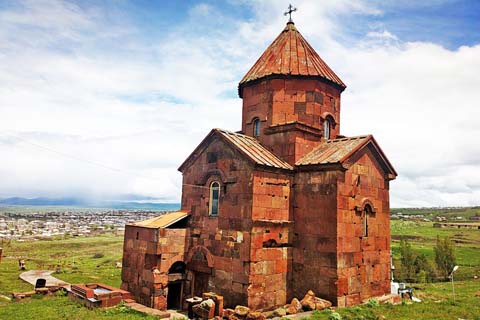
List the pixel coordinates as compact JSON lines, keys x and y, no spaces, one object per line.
{"x":32,"y":276}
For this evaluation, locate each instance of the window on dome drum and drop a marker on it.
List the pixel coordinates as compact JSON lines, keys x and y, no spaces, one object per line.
{"x":256,"y":127}
{"x":332,"y":104}
{"x":214,"y":196}
{"x":367,"y":211}
{"x":326,"y":129}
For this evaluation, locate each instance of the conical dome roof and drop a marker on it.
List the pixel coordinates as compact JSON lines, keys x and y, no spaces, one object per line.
{"x":290,"y":55}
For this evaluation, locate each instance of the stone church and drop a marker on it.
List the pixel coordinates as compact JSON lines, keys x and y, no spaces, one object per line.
{"x":283,"y":206}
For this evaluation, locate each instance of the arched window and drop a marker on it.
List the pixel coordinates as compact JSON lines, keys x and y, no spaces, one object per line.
{"x":326,"y":128}
{"x":256,"y":127}
{"x":214,"y":196}
{"x":366,"y":212}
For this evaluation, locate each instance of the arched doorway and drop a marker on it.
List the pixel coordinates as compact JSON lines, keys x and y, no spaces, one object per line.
{"x":200,"y":263}
{"x":176,"y":276}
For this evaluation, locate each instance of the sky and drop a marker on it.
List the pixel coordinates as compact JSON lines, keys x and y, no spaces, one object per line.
{"x":105,"y":99}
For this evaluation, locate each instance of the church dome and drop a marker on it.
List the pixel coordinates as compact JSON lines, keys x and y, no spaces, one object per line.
{"x":290,"y":55}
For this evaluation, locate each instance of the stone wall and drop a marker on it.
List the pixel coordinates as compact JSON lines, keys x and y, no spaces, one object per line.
{"x":315,"y":243}
{"x":363,"y":261}
{"x":224,"y":240}
{"x":271,"y":252}
{"x":148,"y":253}
{"x":279,"y":103}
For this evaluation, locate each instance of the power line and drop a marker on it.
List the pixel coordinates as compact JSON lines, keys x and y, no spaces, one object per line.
{"x":93,"y":163}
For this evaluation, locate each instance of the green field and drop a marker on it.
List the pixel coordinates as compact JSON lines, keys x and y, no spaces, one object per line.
{"x":450,"y":213}
{"x":92,"y":259}
{"x":422,"y":236}
{"x":76,"y":260}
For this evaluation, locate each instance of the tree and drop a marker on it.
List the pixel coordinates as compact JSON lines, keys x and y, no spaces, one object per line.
{"x":445,"y":256}
{"x":407,"y":258}
{"x":423,"y":269}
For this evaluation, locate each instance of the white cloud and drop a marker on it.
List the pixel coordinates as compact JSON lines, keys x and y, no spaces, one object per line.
{"x":87,"y":83}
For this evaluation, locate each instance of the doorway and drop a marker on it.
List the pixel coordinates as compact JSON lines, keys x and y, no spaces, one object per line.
{"x":176,"y":276}
{"x":174,"y":297}
{"x":200,"y":284}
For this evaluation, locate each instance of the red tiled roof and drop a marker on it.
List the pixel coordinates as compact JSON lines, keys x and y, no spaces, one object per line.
{"x":248,"y":146}
{"x":339,"y":150}
{"x":290,"y":54}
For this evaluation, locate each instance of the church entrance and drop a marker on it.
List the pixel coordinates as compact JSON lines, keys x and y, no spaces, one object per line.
{"x":176,"y":278}
{"x":174,"y":297}
{"x":198,"y":264}
{"x":200,"y":284}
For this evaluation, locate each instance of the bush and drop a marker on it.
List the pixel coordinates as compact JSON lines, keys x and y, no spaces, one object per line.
{"x":334,"y":316}
{"x":372,"y":303}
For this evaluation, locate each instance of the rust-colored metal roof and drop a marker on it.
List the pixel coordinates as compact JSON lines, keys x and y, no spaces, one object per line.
{"x":163,"y":221}
{"x":252,"y":148}
{"x":339,"y":150}
{"x":290,"y":54}
{"x":248,"y":146}
{"x":333,"y":151}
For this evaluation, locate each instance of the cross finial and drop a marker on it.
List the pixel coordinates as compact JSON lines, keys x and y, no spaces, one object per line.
{"x":289,"y":12}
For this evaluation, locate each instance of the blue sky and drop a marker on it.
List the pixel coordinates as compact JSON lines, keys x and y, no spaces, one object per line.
{"x":105,"y":98}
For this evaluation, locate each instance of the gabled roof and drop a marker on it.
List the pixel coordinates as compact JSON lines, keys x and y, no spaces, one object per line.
{"x":163,"y":221}
{"x":290,"y":55}
{"x":248,"y":146}
{"x":337,"y":151}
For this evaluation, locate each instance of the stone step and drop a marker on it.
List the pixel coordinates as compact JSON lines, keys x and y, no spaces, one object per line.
{"x":149,"y":311}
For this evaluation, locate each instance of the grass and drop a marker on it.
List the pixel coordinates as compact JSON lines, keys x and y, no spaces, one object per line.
{"x":48,"y":308}
{"x":73,"y":259}
{"x":422,"y":236}
{"x":437,"y":304}
{"x":449,"y":213}
{"x":92,"y":259}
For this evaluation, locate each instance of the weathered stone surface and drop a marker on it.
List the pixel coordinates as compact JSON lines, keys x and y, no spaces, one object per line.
{"x":242,"y":311}
{"x":321,"y":304}
{"x":255,"y":315}
{"x":294,"y":307}
{"x":279,"y":312}
{"x":205,"y":309}
{"x":308,"y":301}
{"x":235,"y":317}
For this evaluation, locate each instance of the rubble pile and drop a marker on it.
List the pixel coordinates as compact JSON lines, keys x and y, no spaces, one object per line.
{"x":212,"y":307}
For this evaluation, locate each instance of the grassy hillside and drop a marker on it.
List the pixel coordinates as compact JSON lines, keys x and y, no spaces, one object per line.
{"x":81,"y":260}
{"x":422,"y":236}
{"x":449,"y":213}
{"x":76,"y":260}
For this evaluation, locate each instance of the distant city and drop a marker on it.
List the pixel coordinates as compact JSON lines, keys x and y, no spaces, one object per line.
{"x":23,"y":223}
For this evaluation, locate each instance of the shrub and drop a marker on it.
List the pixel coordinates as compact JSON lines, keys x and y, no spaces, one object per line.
{"x":372,"y":303}
{"x":334,"y":316}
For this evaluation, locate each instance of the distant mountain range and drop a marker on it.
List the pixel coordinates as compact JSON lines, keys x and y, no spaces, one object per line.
{"x":128,"y":202}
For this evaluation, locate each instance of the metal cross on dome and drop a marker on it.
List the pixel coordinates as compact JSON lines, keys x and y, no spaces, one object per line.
{"x":289,"y":12}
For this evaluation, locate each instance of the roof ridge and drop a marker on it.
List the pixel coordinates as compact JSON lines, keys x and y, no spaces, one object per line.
{"x":349,"y":138}
{"x":235,"y":133}
{"x":253,"y":149}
